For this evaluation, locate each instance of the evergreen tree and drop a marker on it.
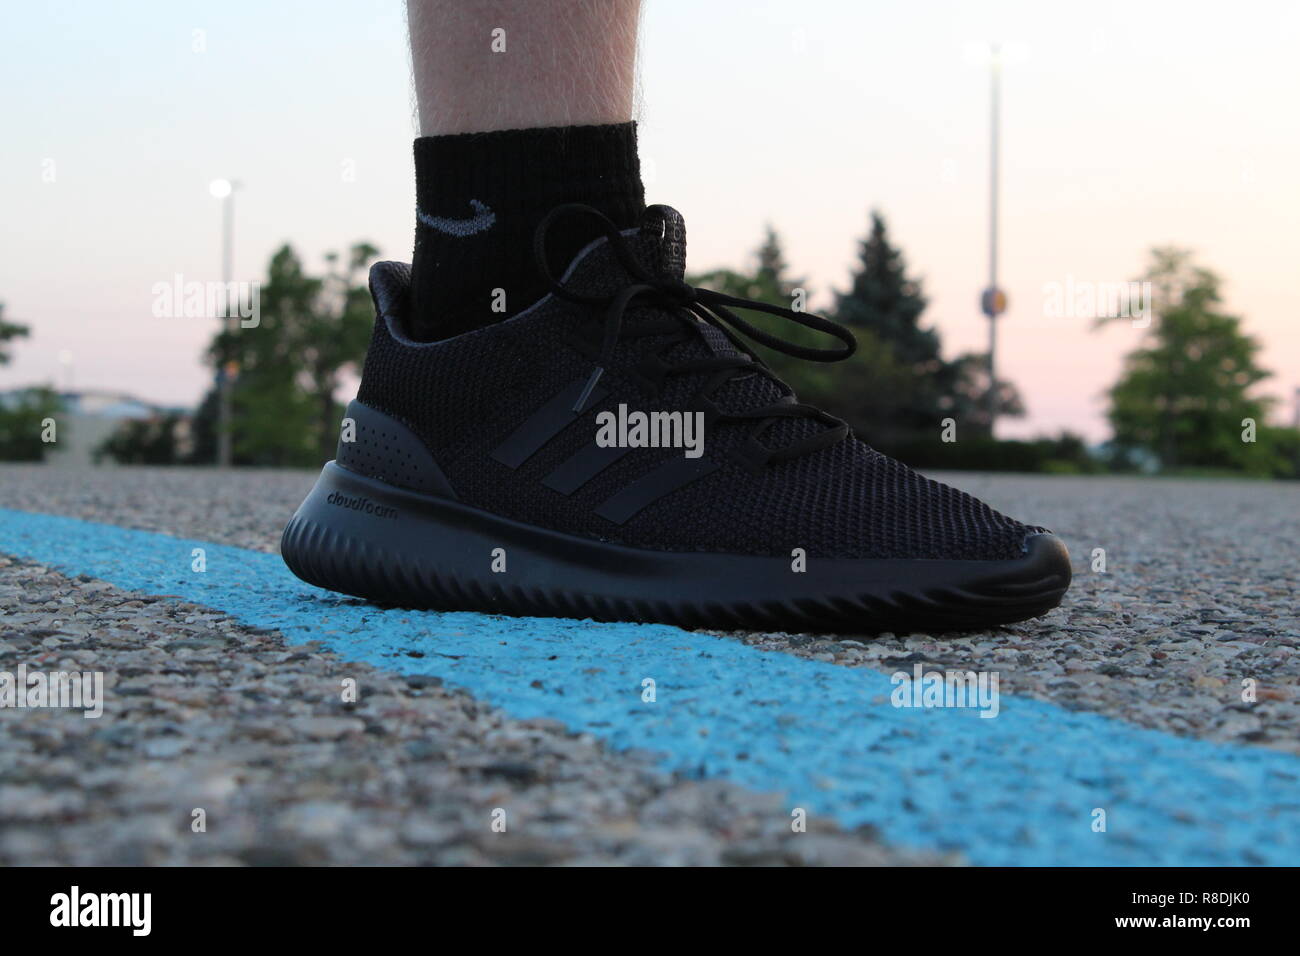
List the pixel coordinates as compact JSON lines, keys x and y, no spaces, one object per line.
{"x":885,"y":302}
{"x":770,"y":283}
{"x":896,"y":389}
{"x":883,"y":299}
{"x":772,"y":266}
{"x":862,"y":389}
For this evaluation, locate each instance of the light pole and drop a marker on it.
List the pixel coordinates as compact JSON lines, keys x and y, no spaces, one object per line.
{"x":994,"y":299}
{"x":224,"y":190}
{"x":65,"y":363}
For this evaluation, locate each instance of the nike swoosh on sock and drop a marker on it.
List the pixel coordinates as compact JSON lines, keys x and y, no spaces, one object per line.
{"x":482,"y":220}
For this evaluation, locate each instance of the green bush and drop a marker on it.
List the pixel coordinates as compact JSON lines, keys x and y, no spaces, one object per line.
{"x":21,"y":424}
{"x":1064,"y":455}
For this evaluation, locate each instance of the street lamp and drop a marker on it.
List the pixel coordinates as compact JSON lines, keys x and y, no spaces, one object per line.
{"x":994,"y":300}
{"x":224,"y":190}
{"x":65,"y":363}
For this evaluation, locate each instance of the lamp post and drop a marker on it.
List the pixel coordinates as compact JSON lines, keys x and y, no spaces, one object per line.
{"x":65,"y":364}
{"x":994,"y":300}
{"x":224,"y":190}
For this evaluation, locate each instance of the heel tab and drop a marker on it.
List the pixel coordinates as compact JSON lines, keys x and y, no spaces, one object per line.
{"x":390,"y":287}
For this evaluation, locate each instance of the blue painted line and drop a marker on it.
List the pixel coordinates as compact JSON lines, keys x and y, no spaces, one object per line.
{"x":1017,"y":789}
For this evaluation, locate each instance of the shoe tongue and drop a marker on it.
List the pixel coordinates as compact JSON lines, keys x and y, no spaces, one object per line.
{"x":661,"y":241}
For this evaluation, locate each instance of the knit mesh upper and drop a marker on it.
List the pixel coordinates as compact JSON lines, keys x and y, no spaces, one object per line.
{"x":464,"y":395}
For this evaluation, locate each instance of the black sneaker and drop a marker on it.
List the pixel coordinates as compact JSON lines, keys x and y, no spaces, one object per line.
{"x":477,"y":473}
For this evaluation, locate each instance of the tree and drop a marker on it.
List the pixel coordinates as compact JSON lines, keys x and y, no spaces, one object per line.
{"x":883,"y":300}
{"x":861,"y":389}
{"x":22,"y":413}
{"x":896,"y":389}
{"x":312,"y":329}
{"x":338,"y":340}
{"x":22,"y":421}
{"x":968,"y":397}
{"x":770,"y":283}
{"x":9,"y":331}
{"x":157,"y":440}
{"x":1184,"y":394}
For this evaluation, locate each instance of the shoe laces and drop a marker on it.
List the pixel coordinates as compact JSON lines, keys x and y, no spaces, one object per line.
{"x":686,"y":307}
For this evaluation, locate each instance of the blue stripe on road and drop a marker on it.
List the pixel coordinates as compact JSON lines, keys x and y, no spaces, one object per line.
{"x":1017,"y":789}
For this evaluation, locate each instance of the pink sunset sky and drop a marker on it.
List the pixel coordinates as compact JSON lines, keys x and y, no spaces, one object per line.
{"x":1125,"y":125}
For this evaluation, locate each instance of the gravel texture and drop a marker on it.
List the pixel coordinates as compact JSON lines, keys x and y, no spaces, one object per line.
{"x":1198,"y":593}
{"x":211,"y":715}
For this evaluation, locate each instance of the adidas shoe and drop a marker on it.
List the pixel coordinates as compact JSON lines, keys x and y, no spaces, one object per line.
{"x":616,"y":452}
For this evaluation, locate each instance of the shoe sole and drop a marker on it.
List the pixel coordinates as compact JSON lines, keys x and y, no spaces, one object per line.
{"x":363,"y":537}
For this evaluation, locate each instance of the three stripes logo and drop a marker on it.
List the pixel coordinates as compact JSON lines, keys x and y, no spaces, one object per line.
{"x":577,"y":470}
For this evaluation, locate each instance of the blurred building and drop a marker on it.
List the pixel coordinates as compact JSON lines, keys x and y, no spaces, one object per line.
{"x":90,"y":417}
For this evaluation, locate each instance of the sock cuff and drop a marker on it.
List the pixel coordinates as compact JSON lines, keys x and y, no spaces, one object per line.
{"x":537,"y":167}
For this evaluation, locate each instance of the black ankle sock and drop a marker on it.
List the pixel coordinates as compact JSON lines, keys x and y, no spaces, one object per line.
{"x":480,"y":197}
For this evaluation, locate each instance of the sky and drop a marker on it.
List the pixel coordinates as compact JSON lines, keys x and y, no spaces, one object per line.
{"x":1125,"y":125}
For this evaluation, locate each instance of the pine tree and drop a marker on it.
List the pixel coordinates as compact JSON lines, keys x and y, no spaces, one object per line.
{"x":883,"y":299}
{"x":886,"y":302}
{"x":772,"y":266}
{"x":862,"y":389}
{"x":771,"y":282}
